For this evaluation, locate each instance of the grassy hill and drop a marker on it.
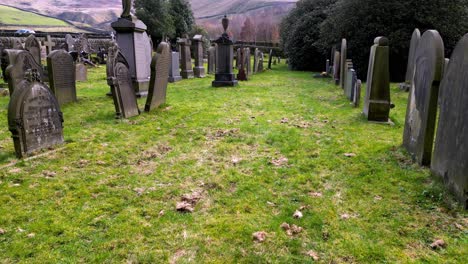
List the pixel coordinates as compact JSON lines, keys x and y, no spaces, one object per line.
{"x":14,"y":16}
{"x":254,"y":154}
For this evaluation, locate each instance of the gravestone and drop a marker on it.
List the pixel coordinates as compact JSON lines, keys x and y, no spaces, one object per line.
{"x":69,"y":43}
{"x":81,"y":72}
{"x":33,"y":45}
{"x":260,"y":62}
{"x":49,"y":44}
{"x":212,"y":60}
{"x":415,"y":38}
{"x":247,"y":61}
{"x":377,"y":103}
{"x":34,"y":117}
{"x":135,"y":46}
{"x":336,"y":67}
{"x":343,"y":52}
{"x":446,"y":63}
{"x":242,"y":75}
{"x":327,"y":67}
{"x":62,"y":76}
{"x":186,"y":59}
{"x":256,"y":59}
{"x":349,"y":65}
{"x":174,"y":71}
{"x":421,"y":111}
{"x":119,"y":79}
{"x":199,"y":69}
{"x":450,"y":160}
{"x":357,"y":93}
{"x":351,"y":79}
{"x":19,"y":62}
{"x":159,"y":80}
{"x":238,"y":58}
{"x":270,"y":58}
{"x":224,"y":75}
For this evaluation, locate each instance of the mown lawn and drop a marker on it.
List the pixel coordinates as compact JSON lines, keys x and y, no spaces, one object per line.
{"x":11,"y":15}
{"x":109,"y":194}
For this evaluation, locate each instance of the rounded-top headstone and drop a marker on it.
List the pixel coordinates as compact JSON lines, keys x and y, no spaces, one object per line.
{"x":415,"y":38}
{"x":381,"y":41}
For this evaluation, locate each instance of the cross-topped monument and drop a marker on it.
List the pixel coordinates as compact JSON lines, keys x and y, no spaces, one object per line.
{"x":49,"y":44}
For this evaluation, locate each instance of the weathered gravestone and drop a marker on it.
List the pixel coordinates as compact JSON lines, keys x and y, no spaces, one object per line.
{"x":159,"y":80}
{"x":33,"y":45}
{"x":377,"y":103}
{"x":327,"y":67}
{"x":81,"y":72}
{"x":256,"y":60}
{"x":186,"y":59}
{"x":260,"y":62}
{"x":224,"y":75}
{"x":247,"y":61}
{"x":19,"y":62}
{"x":135,"y":45}
{"x":343,"y":53}
{"x":336,"y":67}
{"x":347,"y":90}
{"x":15,"y":43}
{"x":174,"y":71}
{"x":49,"y":44}
{"x":450,"y":158}
{"x":238,"y":58}
{"x":351,"y":79}
{"x":199,"y":69}
{"x":62,"y":76}
{"x":242,"y":75}
{"x":270,"y":59}
{"x":415,"y":38}
{"x":357,"y":93}
{"x":34,"y":117}
{"x":119,"y":79}
{"x":212,"y":60}
{"x":69,"y":43}
{"x":421,"y":111}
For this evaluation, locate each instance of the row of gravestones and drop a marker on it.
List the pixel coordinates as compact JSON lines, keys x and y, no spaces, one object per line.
{"x":436,"y":125}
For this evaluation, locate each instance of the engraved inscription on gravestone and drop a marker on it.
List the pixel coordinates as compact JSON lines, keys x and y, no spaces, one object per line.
{"x":159,"y":77}
{"x":62,"y":76}
{"x":34,"y":47}
{"x":19,"y":61}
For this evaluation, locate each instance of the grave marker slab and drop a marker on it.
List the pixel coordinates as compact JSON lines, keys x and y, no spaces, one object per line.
{"x":350,"y":85}
{"x":19,"y":61}
{"x":336,"y":67}
{"x":422,"y":102}
{"x":357,"y":93}
{"x":174,"y":70}
{"x":247,"y":61}
{"x":199,"y":69}
{"x":62,"y":76}
{"x":33,"y":45}
{"x":159,"y":77}
{"x":186,"y":59}
{"x":212,"y":60}
{"x":270,"y":58}
{"x":415,"y":38}
{"x":343,"y":53}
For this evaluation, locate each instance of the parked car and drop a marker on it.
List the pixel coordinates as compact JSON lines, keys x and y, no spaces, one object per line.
{"x":24,"y":32}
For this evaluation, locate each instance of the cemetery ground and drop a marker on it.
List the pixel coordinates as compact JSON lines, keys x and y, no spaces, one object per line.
{"x":244,"y":159}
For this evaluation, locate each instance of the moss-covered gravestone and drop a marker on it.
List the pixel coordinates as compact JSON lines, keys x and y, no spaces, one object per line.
{"x":415,"y":38}
{"x":343,"y":53}
{"x":19,"y":62}
{"x":158,"y":80}
{"x":450,"y":158}
{"x":421,"y":111}
{"x":62,"y":76}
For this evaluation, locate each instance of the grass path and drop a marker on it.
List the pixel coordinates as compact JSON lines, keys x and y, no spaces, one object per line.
{"x":110,"y":194}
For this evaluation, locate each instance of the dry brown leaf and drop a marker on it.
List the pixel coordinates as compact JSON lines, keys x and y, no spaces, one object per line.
{"x":377,"y":198}
{"x":279,"y":162}
{"x":314,"y":255}
{"x":271,"y":204}
{"x":439,"y":243}
{"x":2,"y":231}
{"x":457,"y":225}
{"x":284,"y":120}
{"x":139,"y":191}
{"x":350,"y":155}
{"x":298,"y":214}
{"x":285,"y":226}
{"x":31,"y":235}
{"x":49,"y":174}
{"x":316,"y":194}
{"x":259,"y":236}
{"x":184,"y":207}
{"x":192,"y":198}
{"x":161,"y":213}
{"x":15,"y":170}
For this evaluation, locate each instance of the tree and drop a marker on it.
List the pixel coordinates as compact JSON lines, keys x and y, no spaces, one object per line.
{"x":247,"y":31}
{"x":155,"y":14}
{"x":182,"y":16}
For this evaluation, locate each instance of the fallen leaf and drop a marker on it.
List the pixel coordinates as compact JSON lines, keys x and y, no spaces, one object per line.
{"x":297,"y":214}
{"x":350,"y":155}
{"x":439,"y":243}
{"x":285,"y":226}
{"x":271,"y":204}
{"x":100,"y":162}
{"x":192,"y":198}
{"x":377,"y":198}
{"x":2,"y":231}
{"x":313,"y":255}
{"x":139,"y":191}
{"x":259,"y":236}
{"x":49,"y":174}
{"x":316,"y":194}
{"x":161,"y":213}
{"x":31,"y":235}
{"x":345,"y":216}
{"x":281,"y":161}
{"x":184,"y":207}
{"x":15,"y":170}
{"x":19,"y":229}
{"x":457,"y":225}
{"x":235,"y":160}
{"x":284,"y":120}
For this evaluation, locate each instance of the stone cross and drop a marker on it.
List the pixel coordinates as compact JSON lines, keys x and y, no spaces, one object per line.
{"x":49,"y":44}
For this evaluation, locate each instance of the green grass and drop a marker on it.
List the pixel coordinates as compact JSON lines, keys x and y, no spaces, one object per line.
{"x":14,"y":16}
{"x":113,"y":178}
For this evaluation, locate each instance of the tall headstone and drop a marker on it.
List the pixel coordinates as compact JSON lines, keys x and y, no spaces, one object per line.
{"x":19,"y":61}
{"x":256,"y":60}
{"x":238,"y":58}
{"x":247,"y":61}
{"x":174,"y":70}
{"x":34,"y":117}
{"x":49,"y":44}
{"x":336,"y":67}
{"x":33,"y":45}
{"x":377,"y":103}
{"x":327,"y":67}
{"x":199,"y":69}
{"x":270,"y":58}
{"x":260,"y":62}
{"x":421,"y":111}
{"x":81,"y":72}
{"x":351,"y":79}
{"x":357,"y":93}
{"x":212,"y":60}
{"x":159,"y":80}
{"x":69,"y":43}
{"x":185,"y":58}
{"x":348,"y":66}
{"x":62,"y":76}
{"x":224,"y":75}
{"x":450,"y":158}
{"x":136,"y":47}
{"x":343,"y":53}
{"x":242,"y":74}
{"x":415,"y":38}
{"x":119,"y":79}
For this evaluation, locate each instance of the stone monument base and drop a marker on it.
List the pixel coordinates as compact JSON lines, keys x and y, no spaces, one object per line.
{"x":187,"y":74}
{"x":199,"y":72}
{"x":224,"y":80}
{"x":173,"y":79}
{"x":141,"y":89}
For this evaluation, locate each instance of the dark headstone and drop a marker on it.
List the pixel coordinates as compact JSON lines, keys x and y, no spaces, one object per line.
{"x":174,"y":71}
{"x":62,"y":76}
{"x":49,"y":44}
{"x":199,"y":69}
{"x":119,"y":79}
{"x":248,"y":62}
{"x":15,"y":43}
{"x":350,"y":85}
{"x":81,"y":72}
{"x":270,"y":59}
{"x":19,"y":62}
{"x":33,"y":45}
{"x":348,"y":66}
{"x":69,"y":43}
{"x":357,"y":93}
{"x":336,"y":67}
{"x":377,"y":104}
{"x":224,"y":75}
{"x":422,"y":102}
{"x":343,"y":52}
{"x":34,"y":118}
{"x":450,"y":160}
{"x":238,"y":58}
{"x":159,"y":77}
{"x":256,"y":60}
{"x":212,"y":60}
{"x":415,"y":38}
{"x":242,"y":74}
{"x":327,"y":67}
{"x":260,"y":62}
{"x":185,"y":58}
